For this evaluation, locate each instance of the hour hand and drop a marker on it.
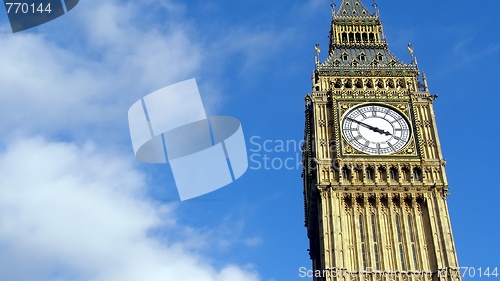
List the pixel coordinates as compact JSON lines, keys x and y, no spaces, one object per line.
{"x":375,"y":129}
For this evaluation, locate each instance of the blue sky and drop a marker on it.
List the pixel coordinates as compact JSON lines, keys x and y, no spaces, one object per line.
{"x":76,"y":205}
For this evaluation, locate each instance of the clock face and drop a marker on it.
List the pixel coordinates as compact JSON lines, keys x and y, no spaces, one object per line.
{"x":376,"y":129}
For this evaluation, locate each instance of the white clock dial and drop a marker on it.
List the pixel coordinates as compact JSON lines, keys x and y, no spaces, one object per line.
{"x":376,"y":129}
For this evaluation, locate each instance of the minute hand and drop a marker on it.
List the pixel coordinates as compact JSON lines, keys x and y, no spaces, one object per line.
{"x":375,"y":129}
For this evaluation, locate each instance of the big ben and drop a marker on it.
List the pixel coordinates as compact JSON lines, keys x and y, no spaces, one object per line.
{"x":375,"y":186}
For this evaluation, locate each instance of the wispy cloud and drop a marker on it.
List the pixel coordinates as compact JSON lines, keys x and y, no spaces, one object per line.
{"x":49,"y":88}
{"x":75,"y":213}
{"x":255,"y":45}
{"x":222,"y":238}
{"x":71,"y":207}
{"x":466,"y":51}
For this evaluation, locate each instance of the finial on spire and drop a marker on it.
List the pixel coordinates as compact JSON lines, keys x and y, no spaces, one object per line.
{"x":317,"y":50}
{"x":413,"y":57}
{"x":426,"y":86}
{"x":411,"y":49}
{"x":375,"y":6}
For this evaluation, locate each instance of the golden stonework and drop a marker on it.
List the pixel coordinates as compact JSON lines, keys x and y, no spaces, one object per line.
{"x":375,"y":205}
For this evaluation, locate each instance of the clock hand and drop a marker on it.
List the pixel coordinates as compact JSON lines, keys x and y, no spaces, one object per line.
{"x":362,"y":124}
{"x":375,"y":129}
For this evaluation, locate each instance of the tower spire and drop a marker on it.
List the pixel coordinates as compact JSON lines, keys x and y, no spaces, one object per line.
{"x":375,"y":7}
{"x":353,"y":8}
{"x":357,"y":39}
{"x":317,"y":50}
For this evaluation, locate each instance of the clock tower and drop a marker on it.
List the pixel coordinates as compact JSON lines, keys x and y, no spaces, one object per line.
{"x":375,"y":185}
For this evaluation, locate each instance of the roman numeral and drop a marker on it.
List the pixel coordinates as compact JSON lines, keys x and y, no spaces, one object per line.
{"x":392,"y":147}
{"x":386,"y":112}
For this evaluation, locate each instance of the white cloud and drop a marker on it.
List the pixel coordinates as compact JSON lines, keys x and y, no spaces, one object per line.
{"x":463,"y":53}
{"x":109,"y":60}
{"x":315,"y":5}
{"x":256,"y":44}
{"x":223,"y":238}
{"x":79,"y":211}
{"x":82,"y":80}
{"x":75,"y":213}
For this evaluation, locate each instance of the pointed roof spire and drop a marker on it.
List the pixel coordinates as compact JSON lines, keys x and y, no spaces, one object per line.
{"x":375,"y":7}
{"x":353,"y":8}
{"x":360,"y":51}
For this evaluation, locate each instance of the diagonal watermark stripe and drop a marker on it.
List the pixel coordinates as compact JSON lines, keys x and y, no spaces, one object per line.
{"x":27,"y":14}
{"x":204,"y":153}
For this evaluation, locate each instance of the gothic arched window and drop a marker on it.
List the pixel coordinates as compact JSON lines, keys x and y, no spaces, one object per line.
{"x":417,"y":174}
{"x":346,"y":173}
{"x":393,"y":173}
{"x":370,"y":174}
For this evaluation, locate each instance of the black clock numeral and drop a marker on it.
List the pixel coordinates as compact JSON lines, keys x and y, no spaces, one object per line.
{"x":392,"y":147}
{"x":386,"y":112}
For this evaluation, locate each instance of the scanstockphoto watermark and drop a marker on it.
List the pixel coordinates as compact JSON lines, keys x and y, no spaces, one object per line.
{"x":268,"y":154}
{"x":339,"y":272}
{"x":205,"y":152}
{"x":469,"y":271}
{"x":25,"y":14}
{"x":453,"y":272}
{"x":283,"y":154}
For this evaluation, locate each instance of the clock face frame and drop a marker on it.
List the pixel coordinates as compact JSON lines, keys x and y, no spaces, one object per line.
{"x":376,"y":129}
